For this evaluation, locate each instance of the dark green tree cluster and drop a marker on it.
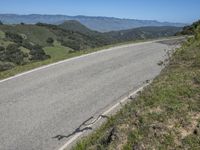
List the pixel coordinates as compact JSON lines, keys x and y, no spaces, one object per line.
{"x":14,"y":54}
{"x":50,"y":40}
{"x":76,"y":39}
{"x":36,"y":51}
{"x":1,"y":23}
{"x":72,"y":44}
{"x":11,"y":56}
{"x":14,"y":37}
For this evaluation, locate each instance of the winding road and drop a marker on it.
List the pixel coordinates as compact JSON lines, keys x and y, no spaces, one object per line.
{"x":56,"y":99}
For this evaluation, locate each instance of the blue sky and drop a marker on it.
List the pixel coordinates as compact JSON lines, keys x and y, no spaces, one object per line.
{"x":162,"y":10}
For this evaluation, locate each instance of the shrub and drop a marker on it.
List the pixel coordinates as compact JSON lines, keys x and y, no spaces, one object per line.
{"x":2,"y":53}
{"x":14,"y":37}
{"x":6,"y":65}
{"x":71,"y":44}
{"x":14,"y":54}
{"x":2,"y":48}
{"x":12,"y":48}
{"x":37,"y":53}
{"x":50,"y":40}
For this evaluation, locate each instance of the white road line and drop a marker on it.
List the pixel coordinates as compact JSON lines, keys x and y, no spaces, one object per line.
{"x":77,"y":135}
{"x":74,"y":58}
{"x":70,"y":59}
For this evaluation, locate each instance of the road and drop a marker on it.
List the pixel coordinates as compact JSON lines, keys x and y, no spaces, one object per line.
{"x":54,"y":100}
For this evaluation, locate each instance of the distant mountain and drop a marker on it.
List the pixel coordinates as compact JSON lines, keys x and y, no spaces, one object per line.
{"x":122,"y":35}
{"x":102,"y":24}
{"x":143,"y":33}
{"x":74,"y":26}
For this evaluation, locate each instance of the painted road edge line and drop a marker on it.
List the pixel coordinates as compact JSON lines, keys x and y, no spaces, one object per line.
{"x":84,"y":55}
{"x":73,"y":58}
{"x":77,"y":135}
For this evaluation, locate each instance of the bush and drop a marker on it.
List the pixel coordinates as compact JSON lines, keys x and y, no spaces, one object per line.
{"x":71,"y":44}
{"x":2,"y":48}
{"x":6,"y":66}
{"x":2,"y":53}
{"x":14,"y":54}
{"x":14,"y":37}
{"x":37,"y":53}
{"x":50,"y":40}
{"x":12,"y":48}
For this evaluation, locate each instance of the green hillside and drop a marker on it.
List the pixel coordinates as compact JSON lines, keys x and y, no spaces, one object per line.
{"x":75,"y":26}
{"x":16,"y":49}
{"x":143,"y":33}
{"x":189,"y":30}
{"x":166,"y":115}
{"x":35,"y":34}
{"x":25,"y":44}
{"x":75,"y":39}
{"x":123,"y":35}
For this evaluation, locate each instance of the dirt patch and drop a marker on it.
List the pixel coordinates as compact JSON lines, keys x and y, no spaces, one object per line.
{"x":185,"y":131}
{"x":155,"y":110}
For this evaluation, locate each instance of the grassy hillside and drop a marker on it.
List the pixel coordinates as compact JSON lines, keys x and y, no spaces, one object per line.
{"x":35,"y":45}
{"x":123,"y":35}
{"x":166,"y":115}
{"x":77,"y":39}
{"x":143,"y":33}
{"x":189,"y":30}
{"x":74,"y":26}
{"x":35,"y":34}
{"x":16,"y":49}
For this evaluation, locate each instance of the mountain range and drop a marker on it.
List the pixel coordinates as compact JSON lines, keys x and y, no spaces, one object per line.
{"x":101,"y":24}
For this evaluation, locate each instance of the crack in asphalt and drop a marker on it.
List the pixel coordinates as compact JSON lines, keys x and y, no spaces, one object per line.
{"x":82,"y":127}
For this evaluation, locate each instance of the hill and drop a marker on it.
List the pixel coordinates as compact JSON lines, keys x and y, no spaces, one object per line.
{"x":123,"y":35}
{"x":143,"y":33}
{"x":74,"y":26}
{"x":24,"y":44}
{"x":189,"y":30}
{"x":102,"y":24}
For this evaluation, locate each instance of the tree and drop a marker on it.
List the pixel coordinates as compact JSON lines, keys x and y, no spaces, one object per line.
{"x":50,"y":40}
{"x":6,"y":65}
{"x":2,"y":48}
{"x":37,"y":53}
{"x":1,"y":23}
{"x":14,"y":54}
{"x":12,"y":48}
{"x":75,"y":45}
{"x":14,"y":37}
{"x":2,"y":53}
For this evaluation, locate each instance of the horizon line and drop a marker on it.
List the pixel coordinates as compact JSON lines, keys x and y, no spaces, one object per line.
{"x":19,"y":14}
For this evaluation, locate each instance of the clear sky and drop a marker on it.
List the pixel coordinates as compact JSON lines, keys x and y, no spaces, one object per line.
{"x":162,"y":10}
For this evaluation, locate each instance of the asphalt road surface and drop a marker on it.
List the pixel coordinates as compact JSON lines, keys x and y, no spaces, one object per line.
{"x":37,"y":106}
